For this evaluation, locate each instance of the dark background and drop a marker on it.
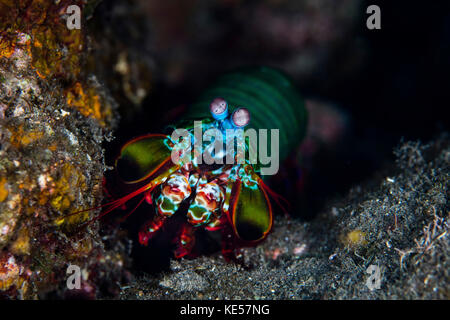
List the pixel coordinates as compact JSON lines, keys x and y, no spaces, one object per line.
{"x":400,"y":86}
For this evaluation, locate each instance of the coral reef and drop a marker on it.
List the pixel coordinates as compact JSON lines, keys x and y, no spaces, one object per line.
{"x":53,"y":119}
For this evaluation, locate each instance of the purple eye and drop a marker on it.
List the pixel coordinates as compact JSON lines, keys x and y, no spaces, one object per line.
{"x":219,"y":108}
{"x":240,"y":117}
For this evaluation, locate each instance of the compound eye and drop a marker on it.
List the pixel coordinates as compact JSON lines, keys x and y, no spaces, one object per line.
{"x":219,"y":108}
{"x":240,"y":117}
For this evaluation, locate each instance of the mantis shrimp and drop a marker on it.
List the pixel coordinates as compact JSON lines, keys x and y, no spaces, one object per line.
{"x":232,"y":198}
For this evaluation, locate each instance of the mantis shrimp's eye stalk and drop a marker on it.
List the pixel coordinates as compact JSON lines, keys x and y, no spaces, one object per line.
{"x":219,"y":108}
{"x":240,"y":117}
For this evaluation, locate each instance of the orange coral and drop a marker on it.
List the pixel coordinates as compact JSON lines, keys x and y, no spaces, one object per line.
{"x":21,"y":137}
{"x":54,"y":49}
{"x":21,"y":245}
{"x":87,"y":101}
{"x":3,"y":189}
{"x":7,"y":47}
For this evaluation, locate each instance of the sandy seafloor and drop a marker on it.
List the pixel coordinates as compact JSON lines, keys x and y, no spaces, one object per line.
{"x":398,"y":221}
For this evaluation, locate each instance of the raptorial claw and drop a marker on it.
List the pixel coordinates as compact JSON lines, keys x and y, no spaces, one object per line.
{"x":185,"y":242}
{"x":150,"y":228}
